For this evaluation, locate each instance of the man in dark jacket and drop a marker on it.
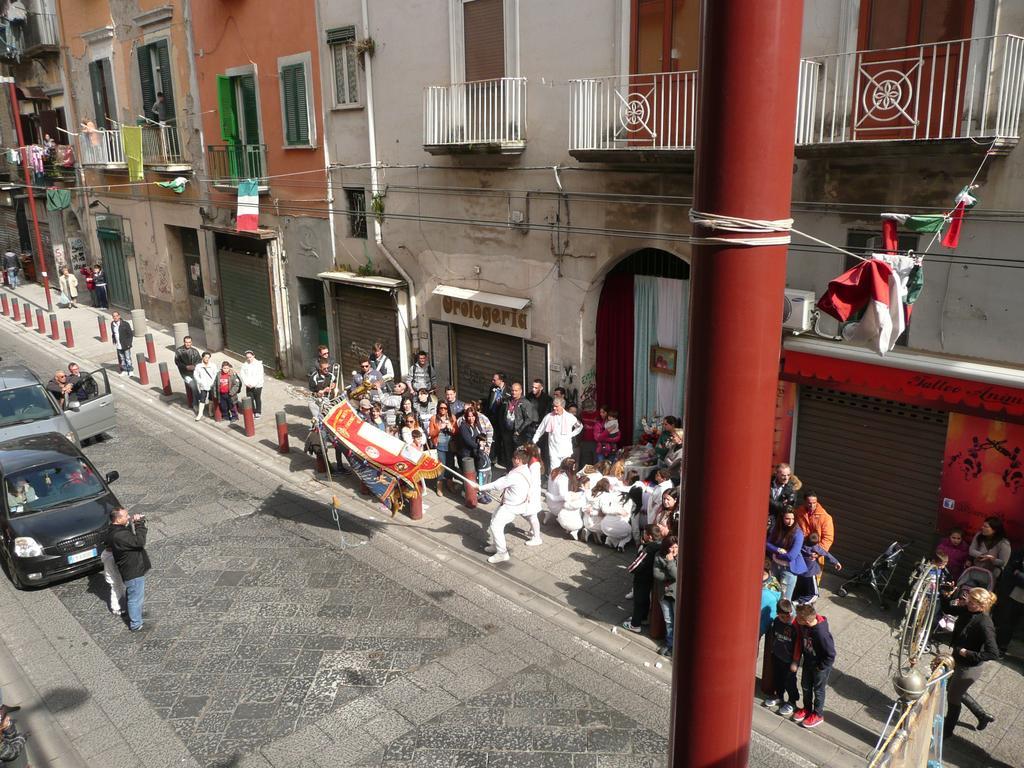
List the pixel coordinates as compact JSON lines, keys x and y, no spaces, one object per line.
{"x":495,"y":410}
{"x":186,"y":358}
{"x":520,"y":418}
{"x":781,"y":493}
{"x":127,"y":541}
{"x":83,"y":386}
{"x":122,"y":335}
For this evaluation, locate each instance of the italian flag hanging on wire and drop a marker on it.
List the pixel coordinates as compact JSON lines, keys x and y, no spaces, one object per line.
{"x":892,"y":221}
{"x":248,"y":217}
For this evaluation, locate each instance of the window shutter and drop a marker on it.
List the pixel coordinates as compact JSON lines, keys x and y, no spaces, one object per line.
{"x":484,"y":28}
{"x":250,"y":110}
{"x":108,"y":89}
{"x":226,"y":108}
{"x":146,"y":79}
{"x":166,"y":79}
{"x":341,"y":35}
{"x":296,"y":113}
{"x":96,"y":80}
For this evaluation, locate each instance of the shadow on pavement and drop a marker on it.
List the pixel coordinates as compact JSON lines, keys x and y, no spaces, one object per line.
{"x":960,"y":752}
{"x":289,"y":505}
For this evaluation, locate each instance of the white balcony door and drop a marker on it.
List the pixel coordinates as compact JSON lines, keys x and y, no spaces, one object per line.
{"x":914,"y":92}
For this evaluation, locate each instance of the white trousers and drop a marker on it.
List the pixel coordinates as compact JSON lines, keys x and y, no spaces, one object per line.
{"x":113,"y":578}
{"x":555,"y":458}
{"x":500,"y":520}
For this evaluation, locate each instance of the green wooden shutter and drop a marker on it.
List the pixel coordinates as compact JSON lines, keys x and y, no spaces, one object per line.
{"x":146,"y":80}
{"x":226,"y":108}
{"x":296,"y":112}
{"x":250,"y":110}
{"x":96,"y":81}
{"x":166,"y":79}
{"x":108,"y":91}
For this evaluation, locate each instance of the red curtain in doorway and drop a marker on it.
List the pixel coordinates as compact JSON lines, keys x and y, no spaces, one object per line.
{"x":615,"y":350}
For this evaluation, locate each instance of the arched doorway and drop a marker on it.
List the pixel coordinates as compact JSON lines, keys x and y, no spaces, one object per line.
{"x":642,"y":320}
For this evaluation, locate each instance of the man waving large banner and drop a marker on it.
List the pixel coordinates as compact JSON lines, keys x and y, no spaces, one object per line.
{"x":388,"y":467}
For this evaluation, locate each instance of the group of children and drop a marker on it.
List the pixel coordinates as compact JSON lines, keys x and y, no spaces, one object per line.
{"x":798,"y":636}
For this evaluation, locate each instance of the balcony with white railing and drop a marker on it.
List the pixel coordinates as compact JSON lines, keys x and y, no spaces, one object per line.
{"x":486,"y":116}
{"x":161,"y":148}
{"x":966,"y":91}
{"x":634,"y":118}
{"x":102,"y":149}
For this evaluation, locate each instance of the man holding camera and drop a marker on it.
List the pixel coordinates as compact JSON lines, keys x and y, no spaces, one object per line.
{"x":127,"y":542}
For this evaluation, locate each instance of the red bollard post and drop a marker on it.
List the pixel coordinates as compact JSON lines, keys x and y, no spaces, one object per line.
{"x":54,"y":328}
{"x":282,"y":431}
{"x":189,"y":397}
{"x":150,"y":348}
{"x":103,"y":328}
{"x":321,"y":462}
{"x":217,"y":415}
{"x":40,"y":321}
{"x":140,"y":360}
{"x":165,"y":378}
{"x":17,"y":311}
{"x":248,"y":420}
{"x":471,"y":489}
{"x":5,"y":304}
{"x":69,"y":335}
{"x":26,"y":310}
{"x":415,"y":506}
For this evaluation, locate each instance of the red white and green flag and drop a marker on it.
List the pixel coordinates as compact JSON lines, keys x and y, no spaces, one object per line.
{"x":248,"y":219}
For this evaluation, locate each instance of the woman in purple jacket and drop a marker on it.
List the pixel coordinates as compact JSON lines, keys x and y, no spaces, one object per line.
{"x":783,"y":545}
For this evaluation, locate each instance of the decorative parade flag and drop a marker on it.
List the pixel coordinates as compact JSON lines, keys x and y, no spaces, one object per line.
{"x":131,"y":135}
{"x":389,"y":467}
{"x":176,"y":184}
{"x":248,"y":219}
{"x":964,"y":201}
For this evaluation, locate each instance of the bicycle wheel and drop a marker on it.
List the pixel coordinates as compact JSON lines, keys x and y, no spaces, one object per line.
{"x":918,"y":620}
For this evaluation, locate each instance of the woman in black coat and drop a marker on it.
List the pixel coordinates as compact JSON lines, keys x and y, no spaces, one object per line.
{"x":974,"y":643}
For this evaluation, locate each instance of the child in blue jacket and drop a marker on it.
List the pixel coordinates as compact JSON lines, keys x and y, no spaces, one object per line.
{"x":807,"y":583}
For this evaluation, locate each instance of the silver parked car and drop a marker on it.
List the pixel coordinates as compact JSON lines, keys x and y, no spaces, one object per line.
{"x":26,"y":408}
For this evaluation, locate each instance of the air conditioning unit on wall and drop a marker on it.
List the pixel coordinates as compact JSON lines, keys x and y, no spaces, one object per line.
{"x":798,"y":310}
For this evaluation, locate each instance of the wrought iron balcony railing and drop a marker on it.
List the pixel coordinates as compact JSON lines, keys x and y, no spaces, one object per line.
{"x":101,"y":148}
{"x":231,"y":163}
{"x":487,"y":114}
{"x":655,"y":111}
{"x":962,"y":89}
{"x":161,"y":146}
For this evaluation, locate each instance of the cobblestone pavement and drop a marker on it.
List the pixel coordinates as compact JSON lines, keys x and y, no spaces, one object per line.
{"x":400,"y":639}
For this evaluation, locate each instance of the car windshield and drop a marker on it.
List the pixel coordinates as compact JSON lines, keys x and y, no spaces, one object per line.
{"x":50,"y":485}
{"x":24,"y":405}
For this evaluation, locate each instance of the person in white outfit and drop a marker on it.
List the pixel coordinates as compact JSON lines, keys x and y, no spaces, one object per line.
{"x":112,"y":576}
{"x":536,"y":493}
{"x":561,"y":427}
{"x":616,"y":511}
{"x":251,"y":374}
{"x":204,"y":375}
{"x":515,"y":500}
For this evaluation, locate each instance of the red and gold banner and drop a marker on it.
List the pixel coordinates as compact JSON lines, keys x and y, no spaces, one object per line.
{"x":381,"y":450}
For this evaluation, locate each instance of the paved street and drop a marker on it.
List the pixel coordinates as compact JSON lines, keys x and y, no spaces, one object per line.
{"x":273,"y":639}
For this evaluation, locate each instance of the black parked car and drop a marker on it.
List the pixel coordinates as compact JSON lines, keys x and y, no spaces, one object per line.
{"x":56,"y":509}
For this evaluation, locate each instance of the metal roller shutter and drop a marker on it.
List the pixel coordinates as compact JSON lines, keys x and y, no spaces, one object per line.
{"x":477,"y":355}
{"x":10,"y":240}
{"x":365,"y":315}
{"x":876,"y":466}
{"x":247,"y":308}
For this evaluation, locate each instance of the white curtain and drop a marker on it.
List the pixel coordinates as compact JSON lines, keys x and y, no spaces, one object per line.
{"x":660,"y":316}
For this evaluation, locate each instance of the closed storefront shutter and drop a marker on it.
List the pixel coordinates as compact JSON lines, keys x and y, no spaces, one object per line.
{"x":477,"y":355}
{"x":248,"y":313}
{"x":9,"y":238}
{"x":363,"y":316}
{"x":876,"y":466}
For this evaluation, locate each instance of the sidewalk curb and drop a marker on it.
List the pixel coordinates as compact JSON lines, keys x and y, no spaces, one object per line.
{"x":811,"y":746}
{"x":48,"y":741}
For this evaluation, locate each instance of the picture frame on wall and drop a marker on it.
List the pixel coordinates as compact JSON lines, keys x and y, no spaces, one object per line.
{"x":663,"y":360}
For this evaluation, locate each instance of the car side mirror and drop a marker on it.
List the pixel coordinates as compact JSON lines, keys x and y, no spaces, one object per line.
{"x":74,"y":405}
{"x":112,"y":476}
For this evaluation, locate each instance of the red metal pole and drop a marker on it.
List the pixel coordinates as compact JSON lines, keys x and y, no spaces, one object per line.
{"x":165,"y":378}
{"x":69,"y":335}
{"x":41,"y":269}
{"x":103,"y":328}
{"x":26,"y":310}
{"x":140,"y":360}
{"x":248,"y":419}
{"x":415,"y":506}
{"x":282,"y":431}
{"x":40,"y":321}
{"x":189,"y":397}
{"x":6,"y":306}
{"x":17,"y":311}
{"x":749,"y":58}
{"x":150,"y":348}
{"x":54,"y":328}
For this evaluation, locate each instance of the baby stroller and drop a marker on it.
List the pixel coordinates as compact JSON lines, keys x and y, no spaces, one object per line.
{"x":878,"y":574}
